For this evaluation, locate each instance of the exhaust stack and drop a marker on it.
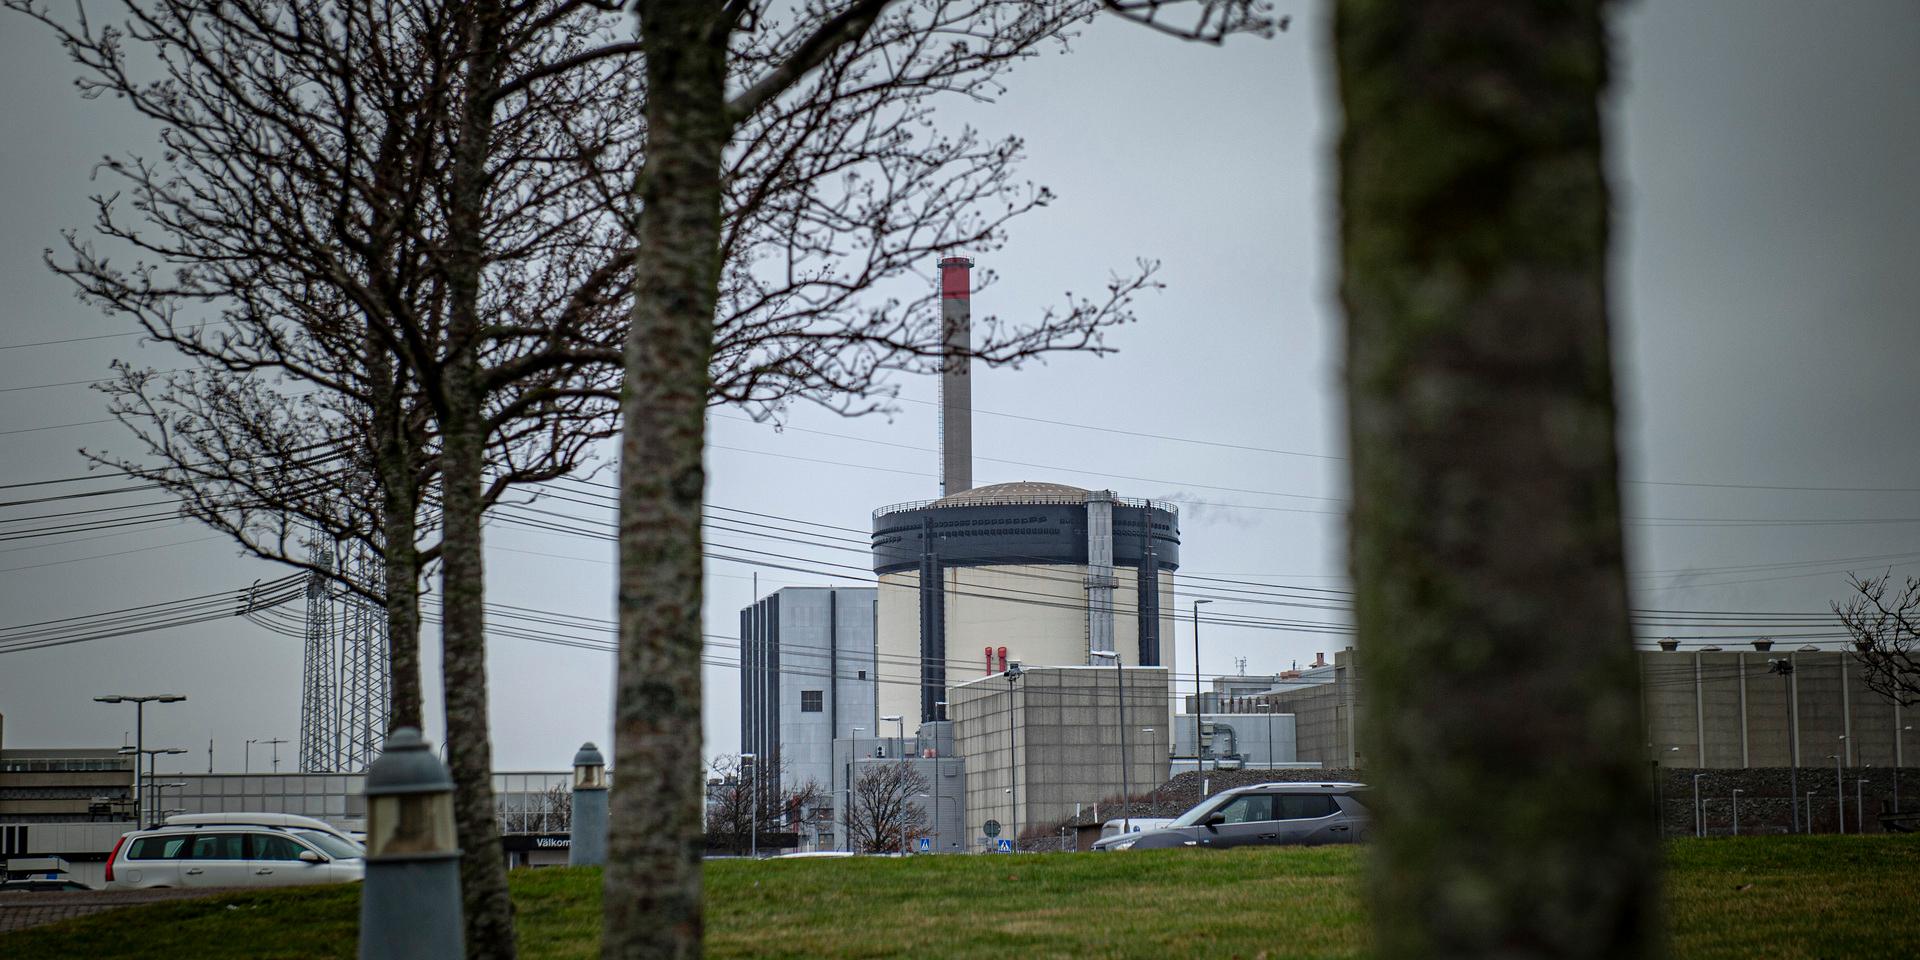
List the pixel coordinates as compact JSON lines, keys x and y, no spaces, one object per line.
{"x":956,"y":382}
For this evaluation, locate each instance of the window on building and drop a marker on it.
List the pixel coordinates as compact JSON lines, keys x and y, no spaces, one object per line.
{"x":810,"y":701}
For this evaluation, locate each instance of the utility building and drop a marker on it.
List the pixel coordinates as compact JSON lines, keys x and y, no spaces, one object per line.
{"x":807,"y":677}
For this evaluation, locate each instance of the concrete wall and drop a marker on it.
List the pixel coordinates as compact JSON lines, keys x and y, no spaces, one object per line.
{"x":1065,"y":746}
{"x":1723,"y":709}
{"x":1037,"y":612}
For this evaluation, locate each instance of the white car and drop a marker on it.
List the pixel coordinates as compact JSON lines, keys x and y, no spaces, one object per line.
{"x":232,"y":855}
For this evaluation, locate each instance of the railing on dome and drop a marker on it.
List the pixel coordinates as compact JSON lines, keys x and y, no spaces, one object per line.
{"x":1020,"y":501}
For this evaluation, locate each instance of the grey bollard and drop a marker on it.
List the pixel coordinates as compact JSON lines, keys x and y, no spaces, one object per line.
{"x":588,"y":824}
{"x":410,"y":900}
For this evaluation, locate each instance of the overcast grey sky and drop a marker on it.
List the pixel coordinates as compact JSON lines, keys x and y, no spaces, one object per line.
{"x":1765,"y":287}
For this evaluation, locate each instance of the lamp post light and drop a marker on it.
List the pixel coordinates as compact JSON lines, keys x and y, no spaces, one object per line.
{"x":753,"y":807}
{"x":1012,"y":673}
{"x":410,"y":899}
{"x":1120,"y":708}
{"x":1699,"y":820}
{"x":139,"y":737}
{"x":587,"y":824}
{"x":1736,"y":810}
{"x":1198,"y":695}
{"x":900,"y":733}
{"x":246,"y":759}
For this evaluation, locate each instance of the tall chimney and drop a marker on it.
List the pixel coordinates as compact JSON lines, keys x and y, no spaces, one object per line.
{"x":956,"y":382}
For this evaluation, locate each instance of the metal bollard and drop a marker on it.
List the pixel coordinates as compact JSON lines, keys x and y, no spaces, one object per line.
{"x":589,"y":819}
{"x":410,"y":900}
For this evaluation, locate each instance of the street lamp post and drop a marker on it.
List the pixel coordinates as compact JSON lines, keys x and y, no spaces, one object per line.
{"x":1699,"y":819}
{"x":146,"y":806}
{"x":753,"y":807}
{"x":1659,"y":795}
{"x":1266,"y":707}
{"x":1736,"y":811}
{"x":853,"y":763}
{"x":900,"y":733}
{"x":1153,"y":793}
{"x":1784,"y":667}
{"x":1120,"y":706}
{"x":139,"y":737}
{"x":1197,"y":694}
{"x":1012,"y":674}
{"x":933,"y":795}
{"x":1859,"y":804}
{"x":1897,"y":760}
{"x":1839,"y":781}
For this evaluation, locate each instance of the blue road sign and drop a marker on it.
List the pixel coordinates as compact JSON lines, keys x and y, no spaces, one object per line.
{"x":926,"y":844}
{"x":1006,"y":844}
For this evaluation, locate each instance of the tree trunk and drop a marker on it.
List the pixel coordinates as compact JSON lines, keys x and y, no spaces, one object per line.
{"x":652,"y":887}
{"x":394,"y":463}
{"x":1501,"y":727}
{"x":483,"y":875}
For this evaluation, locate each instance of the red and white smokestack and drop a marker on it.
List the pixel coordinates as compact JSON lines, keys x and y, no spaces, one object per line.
{"x":956,"y":382}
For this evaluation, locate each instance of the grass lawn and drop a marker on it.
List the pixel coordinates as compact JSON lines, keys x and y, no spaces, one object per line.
{"x":1748,"y":897}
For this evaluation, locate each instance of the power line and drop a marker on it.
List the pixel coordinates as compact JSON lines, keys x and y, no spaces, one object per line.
{"x":49,"y":343}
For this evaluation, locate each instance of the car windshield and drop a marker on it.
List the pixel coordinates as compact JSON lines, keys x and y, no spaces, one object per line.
{"x":335,"y":847}
{"x":1200,"y":810}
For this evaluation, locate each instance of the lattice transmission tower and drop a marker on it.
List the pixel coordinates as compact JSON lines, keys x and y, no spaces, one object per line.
{"x":345,"y":685}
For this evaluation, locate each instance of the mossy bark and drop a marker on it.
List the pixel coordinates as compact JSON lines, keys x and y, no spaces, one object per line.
{"x":652,"y":889}
{"x":1500,"y":726}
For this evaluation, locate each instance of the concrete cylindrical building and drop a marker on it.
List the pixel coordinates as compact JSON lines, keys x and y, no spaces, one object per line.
{"x":1044,"y":571}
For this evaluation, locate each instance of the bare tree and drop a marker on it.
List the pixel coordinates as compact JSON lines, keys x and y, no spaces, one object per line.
{"x":883,"y":817}
{"x":375,"y":236}
{"x":740,"y":800}
{"x":1884,"y":621}
{"x":875,"y":68}
{"x":1490,"y":585}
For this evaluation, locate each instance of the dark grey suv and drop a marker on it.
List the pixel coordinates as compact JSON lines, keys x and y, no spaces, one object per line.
{"x":1267,"y":813}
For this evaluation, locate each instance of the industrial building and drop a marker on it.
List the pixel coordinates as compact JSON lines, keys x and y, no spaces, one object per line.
{"x":1052,"y":740}
{"x":807,"y":678}
{"x":1043,"y":574}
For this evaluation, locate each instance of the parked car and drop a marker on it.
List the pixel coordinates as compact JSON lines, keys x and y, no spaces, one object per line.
{"x":1264,"y":814}
{"x":1113,"y":828}
{"x":232,"y":855}
{"x":264,"y":820}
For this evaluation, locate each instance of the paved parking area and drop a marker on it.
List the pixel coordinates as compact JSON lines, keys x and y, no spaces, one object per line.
{"x":21,"y":910}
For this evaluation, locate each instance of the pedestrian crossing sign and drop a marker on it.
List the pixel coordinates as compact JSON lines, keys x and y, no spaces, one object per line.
{"x":1006,"y":844}
{"x":926,"y":844}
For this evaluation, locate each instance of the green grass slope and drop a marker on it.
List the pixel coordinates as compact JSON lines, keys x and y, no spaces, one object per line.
{"x":1783,"y":897}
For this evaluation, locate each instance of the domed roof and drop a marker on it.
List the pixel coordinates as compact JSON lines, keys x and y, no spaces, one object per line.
{"x":1018,"y":490}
